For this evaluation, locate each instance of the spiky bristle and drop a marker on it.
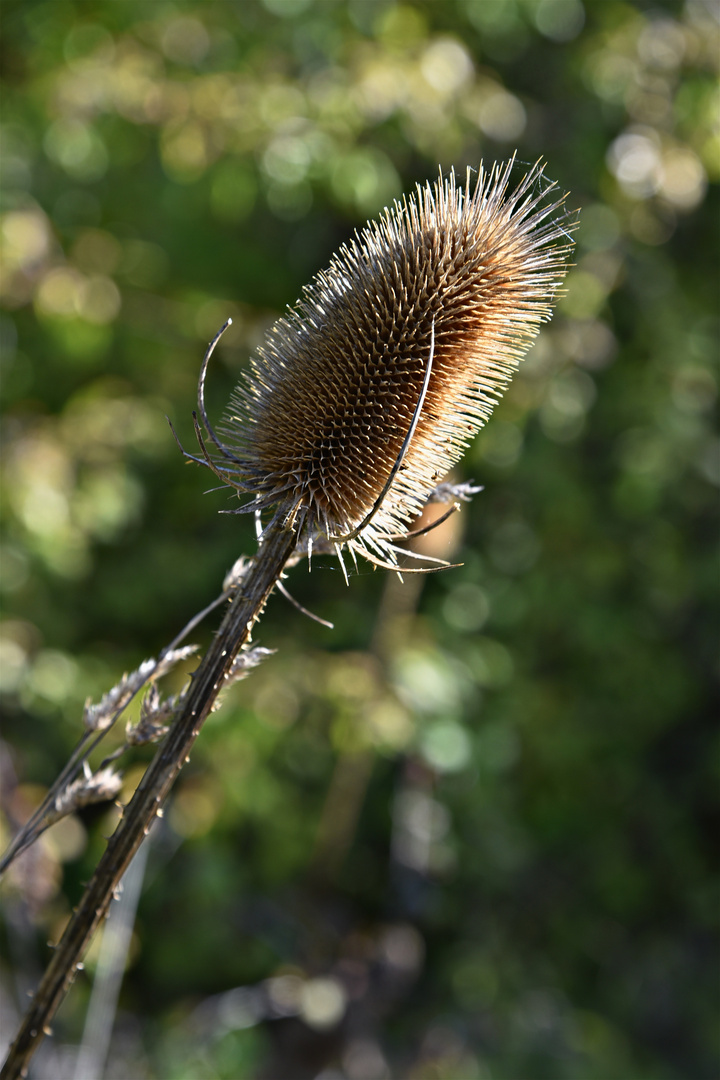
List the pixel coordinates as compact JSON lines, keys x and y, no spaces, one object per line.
{"x":320,"y":419}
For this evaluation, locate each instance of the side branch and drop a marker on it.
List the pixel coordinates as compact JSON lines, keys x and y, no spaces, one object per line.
{"x":278,"y":545}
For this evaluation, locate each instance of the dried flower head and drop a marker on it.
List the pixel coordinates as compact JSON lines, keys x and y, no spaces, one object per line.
{"x":368,"y":391}
{"x":91,"y":788}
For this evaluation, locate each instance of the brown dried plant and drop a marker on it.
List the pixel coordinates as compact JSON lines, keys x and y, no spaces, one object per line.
{"x":361,"y":399}
{"x":366,"y":394}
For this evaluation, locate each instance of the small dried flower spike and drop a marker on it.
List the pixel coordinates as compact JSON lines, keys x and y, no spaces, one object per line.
{"x":420,"y":321}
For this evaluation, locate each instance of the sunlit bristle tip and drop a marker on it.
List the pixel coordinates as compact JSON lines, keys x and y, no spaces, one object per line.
{"x":444,"y":294}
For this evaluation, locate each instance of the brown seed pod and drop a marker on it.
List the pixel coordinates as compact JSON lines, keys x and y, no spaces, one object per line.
{"x":368,"y":391}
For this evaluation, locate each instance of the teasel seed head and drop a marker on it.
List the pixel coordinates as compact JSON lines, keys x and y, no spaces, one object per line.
{"x":368,"y":391}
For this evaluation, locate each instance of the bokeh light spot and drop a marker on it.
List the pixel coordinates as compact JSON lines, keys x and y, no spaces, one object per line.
{"x":446,"y":746}
{"x":447,"y":66}
{"x":26,"y":238}
{"x":77,"y":148}
{"x":635,"y":161}
{"x":683,"y":180}
{"x":53,"y":675}
{"x":466,"y":607}
{"x":322,"y":1003}
{"x":185,"y":41}
{"x":560,"y":20}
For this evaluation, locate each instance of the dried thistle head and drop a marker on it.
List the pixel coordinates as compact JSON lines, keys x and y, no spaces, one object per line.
{"x":368,"y":391}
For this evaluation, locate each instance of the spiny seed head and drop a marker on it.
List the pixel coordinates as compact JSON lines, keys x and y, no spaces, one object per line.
{"x":454,"y":281}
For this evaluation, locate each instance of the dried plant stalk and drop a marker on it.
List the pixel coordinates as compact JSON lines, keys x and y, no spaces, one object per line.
{"x":71,"y":789}
{"x":147,"y":801}
{"x":359,"y":402}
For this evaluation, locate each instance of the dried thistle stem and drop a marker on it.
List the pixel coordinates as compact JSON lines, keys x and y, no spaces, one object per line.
{"x":361,"y":399}
{"x":46,"y":813}
{"x":278,"y":544}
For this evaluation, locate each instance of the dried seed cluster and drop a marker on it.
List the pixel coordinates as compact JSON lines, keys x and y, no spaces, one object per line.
{"x":456,"y":277}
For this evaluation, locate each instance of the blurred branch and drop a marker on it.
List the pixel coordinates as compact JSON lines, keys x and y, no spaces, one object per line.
{"x":108,"y":977}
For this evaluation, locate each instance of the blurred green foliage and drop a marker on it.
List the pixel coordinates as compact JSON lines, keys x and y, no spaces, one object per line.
{"x":468,"y":833}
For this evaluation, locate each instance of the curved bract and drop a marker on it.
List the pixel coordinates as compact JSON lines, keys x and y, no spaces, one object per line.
{"x":420,"y":320}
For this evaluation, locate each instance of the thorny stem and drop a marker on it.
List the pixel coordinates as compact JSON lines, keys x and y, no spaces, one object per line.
{"x":38,"y":822}
{"x":278,"y":544}
{"x":33,"y":828}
